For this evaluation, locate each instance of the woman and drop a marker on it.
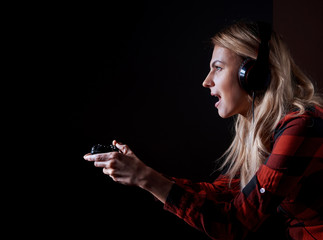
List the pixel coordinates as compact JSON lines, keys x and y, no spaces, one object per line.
{"x":274,"y":166}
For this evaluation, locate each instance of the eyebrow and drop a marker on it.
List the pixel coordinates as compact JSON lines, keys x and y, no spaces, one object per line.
{"x":216,"y":61}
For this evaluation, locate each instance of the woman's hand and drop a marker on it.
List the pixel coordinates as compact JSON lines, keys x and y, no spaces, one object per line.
{"x":126,"y":168}
{"x":123,"y":167}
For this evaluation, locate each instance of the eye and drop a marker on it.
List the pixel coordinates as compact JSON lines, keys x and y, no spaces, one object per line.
{"x":217,"y":68}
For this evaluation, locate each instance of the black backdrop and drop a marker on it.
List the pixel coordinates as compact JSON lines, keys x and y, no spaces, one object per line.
{"x":133,"y":72}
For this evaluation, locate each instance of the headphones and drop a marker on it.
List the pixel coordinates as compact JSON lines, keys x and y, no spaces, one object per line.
{"x":254,"y":75}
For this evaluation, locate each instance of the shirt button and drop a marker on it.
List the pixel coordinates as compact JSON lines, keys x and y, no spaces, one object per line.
{"x":262,"y":190}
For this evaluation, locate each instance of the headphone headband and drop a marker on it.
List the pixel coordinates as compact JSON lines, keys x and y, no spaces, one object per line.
{"x":254,"y":75}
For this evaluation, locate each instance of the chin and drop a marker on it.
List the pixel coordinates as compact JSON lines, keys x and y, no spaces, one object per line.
{"x":223,"y":114}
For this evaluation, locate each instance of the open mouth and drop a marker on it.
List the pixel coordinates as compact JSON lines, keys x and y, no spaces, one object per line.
{"x":218,"y":100}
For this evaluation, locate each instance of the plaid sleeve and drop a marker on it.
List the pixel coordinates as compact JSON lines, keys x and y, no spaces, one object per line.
{"x":204,"y":205}
{"x":296,"y":147}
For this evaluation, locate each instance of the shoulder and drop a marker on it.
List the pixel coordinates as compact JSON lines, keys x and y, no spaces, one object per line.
{"x":294,"y":124}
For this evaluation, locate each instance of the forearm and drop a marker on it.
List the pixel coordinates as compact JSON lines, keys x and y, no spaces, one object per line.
{"x":156,"y":184}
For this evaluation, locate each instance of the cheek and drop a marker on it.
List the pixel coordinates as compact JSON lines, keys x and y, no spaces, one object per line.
{"x":235,"y":100}
{"x":236,"y":97}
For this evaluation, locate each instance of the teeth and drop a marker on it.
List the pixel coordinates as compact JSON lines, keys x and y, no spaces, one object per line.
{"x":216,"y":96}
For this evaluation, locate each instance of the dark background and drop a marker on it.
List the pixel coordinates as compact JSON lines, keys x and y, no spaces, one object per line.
{"x":130,"y":71}
{"x":137,"y":73}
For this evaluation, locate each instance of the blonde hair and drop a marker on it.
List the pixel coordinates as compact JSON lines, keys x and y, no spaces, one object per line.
{"x":290,"y":88}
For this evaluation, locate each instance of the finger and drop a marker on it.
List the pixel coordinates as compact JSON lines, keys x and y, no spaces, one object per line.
{"x":107,"y":164}
{"x":115,"y":143}
{"x":96,"y":157}
{"x":116,"y":176}
{"x":113,"y":164}
{"x":107,"y":171}
{"x":123,"y":148}
{"x":112,"y":173}
{"x":101,"y":164}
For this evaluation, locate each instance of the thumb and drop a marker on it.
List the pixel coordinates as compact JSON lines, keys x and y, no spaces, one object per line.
{"x":122,"y":147}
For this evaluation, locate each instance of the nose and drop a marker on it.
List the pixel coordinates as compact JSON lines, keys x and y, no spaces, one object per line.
{"x":208,"y":81}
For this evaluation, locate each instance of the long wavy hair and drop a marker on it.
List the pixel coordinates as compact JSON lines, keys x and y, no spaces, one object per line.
{"x":289,"y":88}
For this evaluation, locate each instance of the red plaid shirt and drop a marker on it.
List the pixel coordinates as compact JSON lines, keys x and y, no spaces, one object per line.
{"x":289,"y":186}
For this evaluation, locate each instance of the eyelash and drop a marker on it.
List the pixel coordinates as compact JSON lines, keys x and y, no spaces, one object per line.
{"x":217,"y":68}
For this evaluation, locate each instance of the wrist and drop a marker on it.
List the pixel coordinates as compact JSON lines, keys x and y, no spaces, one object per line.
{"x":155,"y":183}
{"x":146,"y":178}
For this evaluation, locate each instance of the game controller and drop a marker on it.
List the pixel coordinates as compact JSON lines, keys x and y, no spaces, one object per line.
{"x":99,"y":148}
